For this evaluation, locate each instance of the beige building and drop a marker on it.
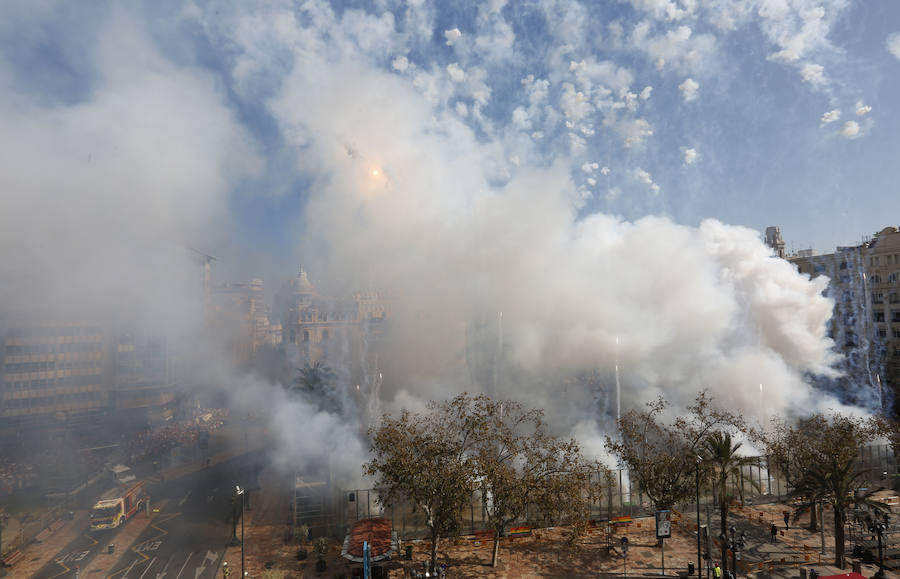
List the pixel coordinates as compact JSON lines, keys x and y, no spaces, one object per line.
{"x":238,"y":313}
{"x":69,"y":374}
{"x":320,"y":327}
{"x":865,"y":285}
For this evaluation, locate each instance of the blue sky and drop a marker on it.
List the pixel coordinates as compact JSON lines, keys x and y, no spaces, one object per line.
{"x":698,"y":109}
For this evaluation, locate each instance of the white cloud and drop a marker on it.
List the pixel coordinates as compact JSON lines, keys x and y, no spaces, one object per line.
{"x":645,"y":94}
{"x":456,"y":73}
{"x":813,"y":73}
{"x":400,"y":64}
{"x":893,"y":44}
{"x":679,"y":48}
{"x":590,"y":167}
{"x":461,"y":109}
{"x":633,"y":131}
{"x":862,"y":109}
{"x":689,"y":89}
{"x":830,"y":116}
{"x":690,"y":156}
{"x":452,"y":36}
{"x":591,"y":181}
{"x":850,"y":129}
{"x":604,"y":171}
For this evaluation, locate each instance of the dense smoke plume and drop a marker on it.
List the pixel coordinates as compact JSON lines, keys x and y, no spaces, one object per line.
{"x":502,"y":281}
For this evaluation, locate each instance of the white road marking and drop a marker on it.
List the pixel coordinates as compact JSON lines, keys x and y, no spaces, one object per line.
{"x":150,"y":564}
{"x":129,"y":569}
{"x":185,"y":565}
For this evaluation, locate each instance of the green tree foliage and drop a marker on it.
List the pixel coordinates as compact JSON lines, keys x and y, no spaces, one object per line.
{"x":817,"y":440}
{"x":316,"y":384}
{"x":662,"y":457}
{"x":719,"y":454}
{"x":836,"y":482}
{"x":520,"y":467}
{"x":438,"y":459}
{"x":424,"y":459}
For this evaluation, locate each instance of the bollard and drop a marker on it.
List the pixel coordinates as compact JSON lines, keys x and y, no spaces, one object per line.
{"x":690,"y":568}
{"x":111,"y":548}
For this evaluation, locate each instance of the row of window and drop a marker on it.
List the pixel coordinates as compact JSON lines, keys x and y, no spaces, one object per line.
{"x":878,"y":298}
{"x":53,"y":332}
{"x":880,"y":317}
{"x":889,"y":260}
{"x":892,"y":278}
{"x":882,"y":332}
{"x":56,"y":400}
{"x":31,"y":349}
{"x":50,"y":366}
{"x":67,"y":382}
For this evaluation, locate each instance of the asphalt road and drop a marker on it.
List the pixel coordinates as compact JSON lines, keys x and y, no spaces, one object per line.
{"x":187,"y":538}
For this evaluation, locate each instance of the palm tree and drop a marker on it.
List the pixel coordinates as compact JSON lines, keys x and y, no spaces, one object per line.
{"x":316,"y":384}
{"x":719,"y":453}
{"x":835,"y":482}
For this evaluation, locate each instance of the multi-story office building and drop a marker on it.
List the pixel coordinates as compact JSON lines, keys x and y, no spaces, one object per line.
{"x":65,"y":375}
{"x":865,"y":286}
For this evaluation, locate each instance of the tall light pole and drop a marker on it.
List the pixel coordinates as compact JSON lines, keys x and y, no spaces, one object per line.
{"x":240,"y":495}
{"x":699,"y":560}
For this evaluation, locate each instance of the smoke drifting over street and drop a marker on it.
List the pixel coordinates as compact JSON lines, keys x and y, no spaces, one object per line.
{"x":451,"y":166}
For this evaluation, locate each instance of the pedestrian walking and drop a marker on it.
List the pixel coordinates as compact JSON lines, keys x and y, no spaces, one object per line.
{"x":787,"y":520}
{"x":774,"y":530}
{"x":717,"y":572}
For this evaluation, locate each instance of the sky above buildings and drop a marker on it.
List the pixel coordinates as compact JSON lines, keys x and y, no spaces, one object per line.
{"x":753,"y":112}
{"x":553,"y":154}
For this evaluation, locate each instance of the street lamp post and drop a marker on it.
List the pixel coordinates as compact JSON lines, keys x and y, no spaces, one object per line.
{"x":699,"y":560}
{"x":735,"y":544}
{"x":878,"y":529}
{"x":240,"y":495}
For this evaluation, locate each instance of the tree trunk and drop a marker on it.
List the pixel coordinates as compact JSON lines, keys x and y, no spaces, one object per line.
{"x":813,"y":519}
{"x":839,"y":519}
{"x":495,"y":552}
{"x":723,"y":518}
{"x":435,"y":537}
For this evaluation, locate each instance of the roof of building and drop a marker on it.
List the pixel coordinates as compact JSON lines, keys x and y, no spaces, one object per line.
{"x":379,"y":534}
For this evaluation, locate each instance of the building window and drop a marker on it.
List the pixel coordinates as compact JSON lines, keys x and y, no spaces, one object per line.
{"x":892,"y":279}
{"x":893,"y":297}
{"x":306,"y":332}
{"x":819,"y":268}
{"x":896,"y":332}
{"x":843,"y":265}
{"x":877,"y":298}
{"x":882,"y":332}
{"x":895,"y":316}
{"x":873,"y":261}
{"x":876,"y":279}
{"x":878,"y":316}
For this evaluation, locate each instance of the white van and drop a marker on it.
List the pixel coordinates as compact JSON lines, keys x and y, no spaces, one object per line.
{"x":122,"y":474}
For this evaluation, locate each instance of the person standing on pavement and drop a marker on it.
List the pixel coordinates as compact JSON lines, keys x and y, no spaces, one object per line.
{"x":774,"y":533}
{"x":787,"y":520}
{"x":717,"y":572}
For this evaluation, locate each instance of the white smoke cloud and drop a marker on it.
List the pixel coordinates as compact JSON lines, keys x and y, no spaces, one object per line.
{"x":689,"y":89}
{"x":862,"y":109}
{"x":830,"y":117}
{"x":850,"y":129}
{"x":400,"y":64}
{"x":893,"y":44}
{"x":690,"y":156}
{"x":813,"y":73}
{"x":456,"y":73}
{"x":452,"y":36}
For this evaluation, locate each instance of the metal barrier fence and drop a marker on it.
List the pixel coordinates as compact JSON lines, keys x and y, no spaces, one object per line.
{"x":758,"y":484}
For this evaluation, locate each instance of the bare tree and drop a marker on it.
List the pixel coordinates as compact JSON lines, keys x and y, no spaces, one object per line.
{"x":424,"y":459}
{"x":661,"y":457}
{"x":520,"y":466}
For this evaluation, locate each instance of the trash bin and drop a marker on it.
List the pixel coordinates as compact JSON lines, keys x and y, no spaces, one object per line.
{"x":857,"y":567}
{"x":409,"y":550}
{"x":111,"y":549}
{"x":691,"y":568}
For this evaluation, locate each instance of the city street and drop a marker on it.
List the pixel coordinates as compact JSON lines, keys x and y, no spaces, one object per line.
{"x":185,"y":535}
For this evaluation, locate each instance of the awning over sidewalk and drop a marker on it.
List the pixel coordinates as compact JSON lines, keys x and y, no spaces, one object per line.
{"x":380,"y":536}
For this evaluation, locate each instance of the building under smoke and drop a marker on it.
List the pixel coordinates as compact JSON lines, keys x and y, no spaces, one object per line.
{"x":865,"y":286}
